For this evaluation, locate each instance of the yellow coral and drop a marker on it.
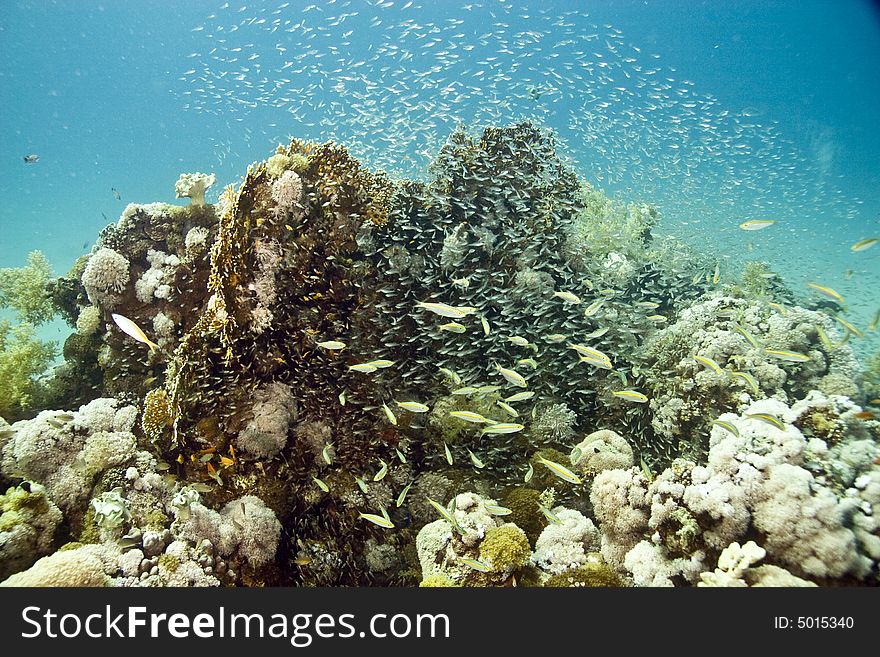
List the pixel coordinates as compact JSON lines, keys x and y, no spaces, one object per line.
{"x":156,"y":416}
{"x":506,"y":548}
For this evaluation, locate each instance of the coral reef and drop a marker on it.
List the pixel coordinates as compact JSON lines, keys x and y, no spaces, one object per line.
{"x":494,"y":377}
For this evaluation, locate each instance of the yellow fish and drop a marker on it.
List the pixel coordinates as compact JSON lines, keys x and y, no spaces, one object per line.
{"x":631,"y":395}
{"x":828,"y":292}
{"x":561,"y":471}
{"x":864,"y":244}
{"x":756,"y":224}
{"x":133,"y":330}
{"x":708,"y":362}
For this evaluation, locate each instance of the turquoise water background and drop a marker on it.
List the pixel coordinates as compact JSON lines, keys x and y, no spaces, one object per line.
{"x":770,"y":109}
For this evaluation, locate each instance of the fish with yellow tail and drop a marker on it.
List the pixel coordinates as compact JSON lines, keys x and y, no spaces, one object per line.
{"x":756,"y":224}
{"x":826,"y":291}
{"x":133,"y":330}
{"x":561,"y":471}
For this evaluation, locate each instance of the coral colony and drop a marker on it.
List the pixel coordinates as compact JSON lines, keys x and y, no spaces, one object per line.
{"x":499,"y":377}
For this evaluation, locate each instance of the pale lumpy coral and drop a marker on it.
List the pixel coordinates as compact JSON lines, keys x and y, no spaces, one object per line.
{"x":105,"y":277}
{"x":194,"y":186}
{"x":266,"y":433}
{"x":602,"y":450}
{"x":287,"y":193}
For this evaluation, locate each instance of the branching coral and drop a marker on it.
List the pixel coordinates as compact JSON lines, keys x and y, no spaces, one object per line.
{"x":23,"y":358}
{"x":24,"y":289}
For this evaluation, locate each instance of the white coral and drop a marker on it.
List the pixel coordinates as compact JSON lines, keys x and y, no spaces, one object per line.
{"x":266,"y":433}
{"x":194,"y":186}
{"x":565,"y":544}
{"x":287,"y":193}
{"x":105,"y":277}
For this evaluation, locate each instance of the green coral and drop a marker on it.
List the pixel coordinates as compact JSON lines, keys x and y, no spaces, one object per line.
{"x":506,"y":548}
{"x":437,"y":581}
{"x":525,"y":513}
{"x":757,"y":281}
{"x":604,"y":225}
{"x":23,"y":358}
{"x":589,"y":574}
{"x":24,"y":289}
{"x":168,"y":563}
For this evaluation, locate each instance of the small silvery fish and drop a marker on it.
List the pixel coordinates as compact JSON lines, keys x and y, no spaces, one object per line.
{"x":561,"y":471}
{"x":756,"y":224}
{"x":378,"y":520}
{"x":133,"y":330}
{"x":332,"y":345}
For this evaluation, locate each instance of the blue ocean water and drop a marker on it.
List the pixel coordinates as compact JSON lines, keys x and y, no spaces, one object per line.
{"x":716,"y":112}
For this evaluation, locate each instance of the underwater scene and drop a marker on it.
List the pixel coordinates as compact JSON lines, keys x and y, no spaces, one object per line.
{"x":443,"y":294}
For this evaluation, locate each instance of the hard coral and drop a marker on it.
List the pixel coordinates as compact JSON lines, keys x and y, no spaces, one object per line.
{"x":194,"y":186}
